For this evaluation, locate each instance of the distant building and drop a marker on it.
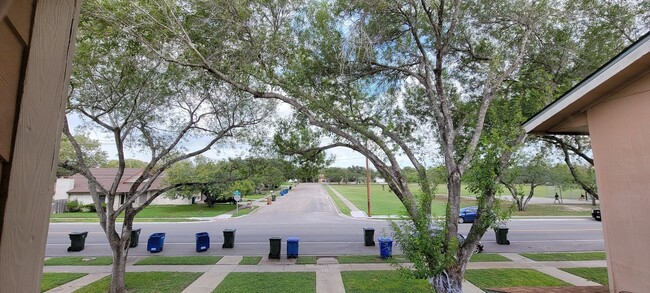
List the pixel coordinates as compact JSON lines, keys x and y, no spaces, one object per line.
{"x":75,"y":187}
{"x":380,"y":180}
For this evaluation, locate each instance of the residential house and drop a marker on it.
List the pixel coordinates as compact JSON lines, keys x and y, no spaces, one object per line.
{"x":76,"y":187}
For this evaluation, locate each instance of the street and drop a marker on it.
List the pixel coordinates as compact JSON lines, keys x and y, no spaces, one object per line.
{"x":307,"y":212}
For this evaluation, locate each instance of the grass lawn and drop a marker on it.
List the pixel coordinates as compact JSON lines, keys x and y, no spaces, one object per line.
{"x":53,"y":280}
{"x":243,"y":211}
{"x":250,"y":260}
{"x":556,"y":210}
{"x":149,"y":282}
{"x":80,"y":261}
{"x":382,"y":281}
{"x":268,"y":282}
{"x":384,"y":202}
{"x":598,"y":275}
{"x":179,"y":260}
{"x":306,"y":260}
{"x":345,"y":259}
{"x":488,"y":257}
{"x":160,"y":213}
{"x":499,"y":278}
{"x":339,"y":203}
{"x":565,"y":256}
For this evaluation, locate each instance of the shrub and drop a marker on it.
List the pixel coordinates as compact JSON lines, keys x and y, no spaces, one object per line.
{"x":73,"y":206}
{"x":90,"y":207}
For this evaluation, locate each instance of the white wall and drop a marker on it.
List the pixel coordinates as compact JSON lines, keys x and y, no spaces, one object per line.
{"x":62,"y":187}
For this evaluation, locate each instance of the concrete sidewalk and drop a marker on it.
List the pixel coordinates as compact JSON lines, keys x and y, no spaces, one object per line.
{"x":328,"y":271}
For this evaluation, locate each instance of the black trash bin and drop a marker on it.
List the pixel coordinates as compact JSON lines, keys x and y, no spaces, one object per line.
{"x":369,"y":236}
{"x":77,"y":241}
{"x":272,"y":197}
{"x":276,"y":247}
{"x":228,"y":238}
{"x":501,"y":234}
{"x":135,"y":237}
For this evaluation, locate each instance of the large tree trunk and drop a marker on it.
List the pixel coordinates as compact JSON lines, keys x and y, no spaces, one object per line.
{"x":118,"y":272}
{"x":449,"y":281}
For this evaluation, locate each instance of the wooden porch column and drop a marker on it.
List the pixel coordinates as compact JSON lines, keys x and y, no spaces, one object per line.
{"x":36,"y":49}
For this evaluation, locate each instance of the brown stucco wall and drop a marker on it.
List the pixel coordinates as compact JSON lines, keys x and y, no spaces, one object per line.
{"x":620,"y":133}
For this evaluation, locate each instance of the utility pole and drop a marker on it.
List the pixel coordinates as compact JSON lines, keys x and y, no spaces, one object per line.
{"x":368,"y":185}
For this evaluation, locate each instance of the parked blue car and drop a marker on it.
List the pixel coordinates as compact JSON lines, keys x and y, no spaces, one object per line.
{"x":467,"y":215}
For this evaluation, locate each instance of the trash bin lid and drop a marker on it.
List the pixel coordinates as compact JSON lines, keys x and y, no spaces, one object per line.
{"x":229,"y":230}
{"x":275,"y":238}
{"x":293,"y":239}
{"x":369,"y":229}
{"x":78,"y":233}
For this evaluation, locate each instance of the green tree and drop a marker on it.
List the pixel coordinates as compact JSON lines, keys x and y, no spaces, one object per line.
{"x":385,"y":79}
{"x":127,"y":92}
{"x":526,"y":171}
{"x":128,"y":163}
{"x":91,"y":151}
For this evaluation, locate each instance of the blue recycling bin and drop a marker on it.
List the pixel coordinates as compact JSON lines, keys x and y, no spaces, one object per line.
{"x":202,"y":241}
{"x":385,"y":247}
{"x":156,"y":242}
{"x":292,"y":247}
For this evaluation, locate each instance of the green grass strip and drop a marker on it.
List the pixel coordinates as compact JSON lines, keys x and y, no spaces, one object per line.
{"x":306,"y":260}
{"x":149,"y":282}
{"x":300,"y":282}
{"x":347,"y":259}
{"x":565,"y":256}
{"x":53,"y":280}
{"x":179,"y":260}
{"x":339,"y":203}
{"x":382,"y":282}
{"x":500,"y":278}
{"x":80,"y":261}
{"x":488,"y":257}
{"x":598,"y":275}
{"x":250,"y":260}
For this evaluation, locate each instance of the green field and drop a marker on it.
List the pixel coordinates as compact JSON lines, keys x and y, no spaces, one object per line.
{"x":179,"y":260}
{"x":501,"y":278}
{"x":565,"y":256}
{"x":53,"y":280}
{"x":268,"y":283}
{"x":160,"y":213}
{"x":149,"y":282}
{"x":382,"y":282}
{"x":79,"y":261}
{"x":384,"y":202}
{"x":598,"y":275}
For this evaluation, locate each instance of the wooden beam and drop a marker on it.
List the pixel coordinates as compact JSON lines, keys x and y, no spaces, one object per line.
{"x":30,"y":185}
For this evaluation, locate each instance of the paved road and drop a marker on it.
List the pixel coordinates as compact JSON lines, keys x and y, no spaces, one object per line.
{"x":307,"y":212}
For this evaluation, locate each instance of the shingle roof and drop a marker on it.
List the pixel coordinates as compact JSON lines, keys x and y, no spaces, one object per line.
{"x":106,"y":176}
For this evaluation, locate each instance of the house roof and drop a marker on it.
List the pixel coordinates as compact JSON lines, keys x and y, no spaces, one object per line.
{"x":106,"y":176}
{"x":567,"y":114}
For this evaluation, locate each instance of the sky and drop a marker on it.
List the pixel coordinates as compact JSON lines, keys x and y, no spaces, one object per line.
{"x":344,"y":157}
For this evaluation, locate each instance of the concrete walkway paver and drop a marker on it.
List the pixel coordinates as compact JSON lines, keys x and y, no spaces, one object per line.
{"x":206,"y":282}
{"x":230,"y":260}
{"x":327,"y":269}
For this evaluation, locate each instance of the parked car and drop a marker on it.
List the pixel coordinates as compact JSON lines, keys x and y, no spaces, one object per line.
{"x":467,"y":215}
{"x":596,"y":214}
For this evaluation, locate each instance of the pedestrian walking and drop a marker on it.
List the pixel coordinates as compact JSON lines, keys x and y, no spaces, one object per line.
{"x":557,"y":198}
